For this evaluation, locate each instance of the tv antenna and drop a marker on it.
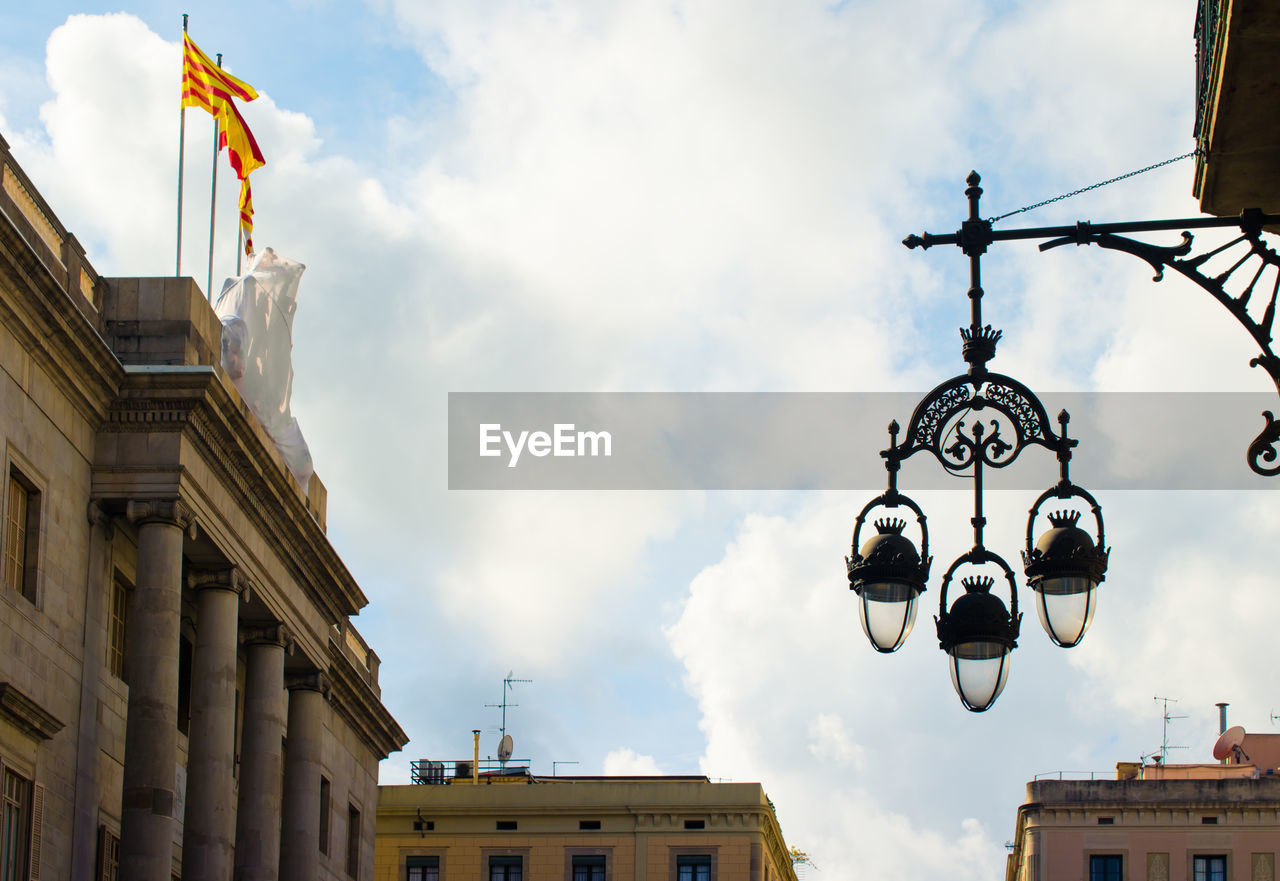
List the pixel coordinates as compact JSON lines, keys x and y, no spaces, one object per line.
{"x":1164,"y":737}
{"x":505,"y":741}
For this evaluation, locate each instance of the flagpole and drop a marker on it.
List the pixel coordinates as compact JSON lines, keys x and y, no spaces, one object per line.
{"x":239,"y":243}
{"x":213,"y":204}
{"x":182,"y":137}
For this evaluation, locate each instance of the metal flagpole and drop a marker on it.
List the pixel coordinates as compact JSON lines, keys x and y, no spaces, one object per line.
{"x":213,"y":209}
{"x":239,"y":243}
{"x":182,"y":137}
{"x":213,"y":200}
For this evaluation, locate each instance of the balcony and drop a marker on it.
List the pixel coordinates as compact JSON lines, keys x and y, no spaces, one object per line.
{"x":1238,"y":106}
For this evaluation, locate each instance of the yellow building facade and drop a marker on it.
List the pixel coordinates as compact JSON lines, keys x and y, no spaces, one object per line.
{"x":520,"y":827}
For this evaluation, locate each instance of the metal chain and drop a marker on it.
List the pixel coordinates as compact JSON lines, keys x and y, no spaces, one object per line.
{"x":1094,"y":186}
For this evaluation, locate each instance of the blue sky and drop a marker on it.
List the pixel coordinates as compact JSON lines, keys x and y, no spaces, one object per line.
{"x":695,"y":196}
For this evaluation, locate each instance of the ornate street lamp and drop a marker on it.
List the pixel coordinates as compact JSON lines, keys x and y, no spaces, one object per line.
{"x":981,"y":420}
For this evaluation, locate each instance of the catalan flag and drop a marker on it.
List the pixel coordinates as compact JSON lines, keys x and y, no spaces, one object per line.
{"x":246,"y":215}
{"x":209,"y":87}
{"x":206,"y":85}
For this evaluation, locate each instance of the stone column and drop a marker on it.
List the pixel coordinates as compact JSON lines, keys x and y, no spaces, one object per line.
{"x":208,"y":830}
{"x":300,"y":821}
{"x":261,"y":763}
{"x":151,"y":730}
{"x":97,"y":604}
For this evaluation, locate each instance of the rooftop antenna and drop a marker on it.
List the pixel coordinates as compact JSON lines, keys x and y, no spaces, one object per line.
{"x":503,"y":741}
{"x":1164,"y":738}
{"x":555,"y":765}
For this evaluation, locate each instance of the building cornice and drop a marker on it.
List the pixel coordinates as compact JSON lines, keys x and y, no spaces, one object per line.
{"x":355,"y":701}
{"x":660,"y":805}
{"x":199,"y":403}
{"x":53,"y":329}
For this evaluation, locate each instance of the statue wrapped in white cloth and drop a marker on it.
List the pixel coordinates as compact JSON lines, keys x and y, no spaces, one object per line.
{"x":256,"y":311}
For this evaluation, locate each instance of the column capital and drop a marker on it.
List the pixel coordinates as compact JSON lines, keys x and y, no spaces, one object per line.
{"x":315,"y":681}
{"x":222,"y":578}
{"x":269,"y":634}
{"x":98,"y":516}
{"x":172,"y":512}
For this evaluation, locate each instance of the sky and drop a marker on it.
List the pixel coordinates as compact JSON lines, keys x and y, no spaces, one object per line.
{"x":627,"y":196}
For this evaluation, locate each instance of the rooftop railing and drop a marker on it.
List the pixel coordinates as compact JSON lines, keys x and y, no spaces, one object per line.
{"x":427,"y":772}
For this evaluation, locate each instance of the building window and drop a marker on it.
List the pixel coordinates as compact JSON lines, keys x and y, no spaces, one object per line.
{"x":324,"y":816}
{"x":21,"y":534}
{"x":422,"y":869}
{"x":353,"y":841}
{"x":588,"y":868}
{"x":108,"y":855}
{"x":120,"y":600}
{"x":506,"y":868}
{"x":694,"y":868}
{"x":15,"y":827}
{"x":1106,"y":867}
{"x":1209,"y":868}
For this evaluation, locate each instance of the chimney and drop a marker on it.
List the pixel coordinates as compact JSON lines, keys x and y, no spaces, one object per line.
{"x":475,"y":764}
{"x":1222,"y":717}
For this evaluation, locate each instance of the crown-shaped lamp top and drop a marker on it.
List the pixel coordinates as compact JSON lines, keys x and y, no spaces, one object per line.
{"x":978,"y":583}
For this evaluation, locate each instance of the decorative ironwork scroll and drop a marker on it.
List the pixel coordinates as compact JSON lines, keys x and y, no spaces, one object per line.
{"x":1245,"y":277}
{"x":1248,"y":267}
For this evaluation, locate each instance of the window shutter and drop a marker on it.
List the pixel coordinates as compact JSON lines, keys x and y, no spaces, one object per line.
{"x":37,"y":829}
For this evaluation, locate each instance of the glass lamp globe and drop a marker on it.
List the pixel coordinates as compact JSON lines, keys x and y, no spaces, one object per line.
{"x":979,"y":671}
{"x":1064,"y":569}
{"x":978,"y":634}
{"x":888,"y":576}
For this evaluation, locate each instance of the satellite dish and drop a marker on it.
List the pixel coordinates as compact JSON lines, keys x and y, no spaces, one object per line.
{"x":505,"y":746}
{"x":1228,"y":743}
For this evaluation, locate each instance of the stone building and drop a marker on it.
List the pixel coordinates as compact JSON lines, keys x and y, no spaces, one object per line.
{"x":1155,"y":822}
{"x":506,"y":824}
{"x":1237,"y":106}
{"x":182,"y":693}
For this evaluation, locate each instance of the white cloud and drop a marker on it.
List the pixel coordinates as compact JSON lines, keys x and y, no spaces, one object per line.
{"x":829,"y":740}
{"x":626,"y":762}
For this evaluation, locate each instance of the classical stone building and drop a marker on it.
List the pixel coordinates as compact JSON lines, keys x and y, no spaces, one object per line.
{"x":1237,"y":106}
{"x":182,"y":693}
{"x":509,"y":825}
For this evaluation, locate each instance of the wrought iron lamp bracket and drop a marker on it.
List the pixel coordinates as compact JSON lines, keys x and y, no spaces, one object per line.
{"x":1065,"y":489}
{"x":1247,"y":253}
{"x":977,"y":556}
{"x":937,"y":425}
{"x":891,"y":498}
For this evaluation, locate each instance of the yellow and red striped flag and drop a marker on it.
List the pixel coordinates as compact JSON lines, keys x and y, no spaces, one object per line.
{"x":246,"y":215}
{"x":206,"y":85}
{"x":245,"y":157}
{"x":209,"y":87}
